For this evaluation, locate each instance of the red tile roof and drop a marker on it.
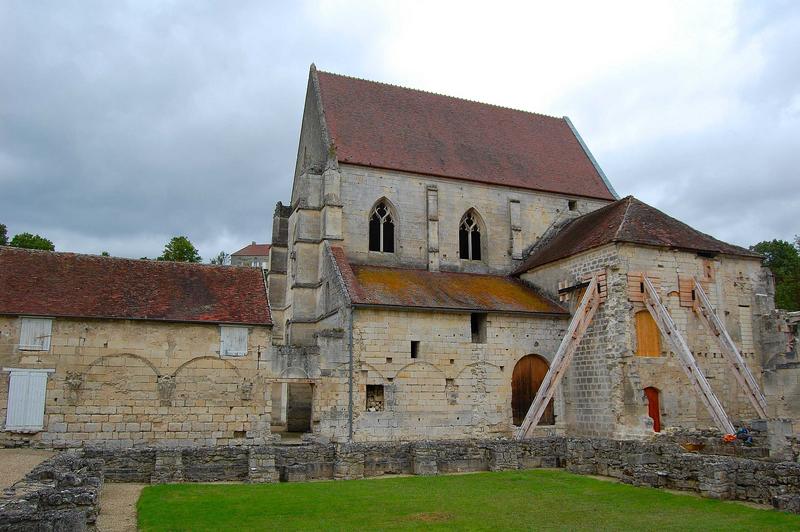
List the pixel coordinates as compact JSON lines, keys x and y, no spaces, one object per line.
{"x":397,"y":287}
{"x":626,"y":220}
{"x":254,"y":250}
{"x":385,"y":126}
{"x":46,"y":283}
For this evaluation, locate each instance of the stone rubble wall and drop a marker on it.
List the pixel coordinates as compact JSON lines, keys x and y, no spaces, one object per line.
{"x":62,"y":493}
{"x":662,"y":463}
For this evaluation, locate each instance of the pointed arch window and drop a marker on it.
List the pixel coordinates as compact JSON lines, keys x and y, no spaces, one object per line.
{"x":381,"y":229}
{"x":469,"y":237}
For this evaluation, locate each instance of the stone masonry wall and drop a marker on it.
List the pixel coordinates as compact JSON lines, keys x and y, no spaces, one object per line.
{"x":590,"y":386}
{"x":127,"y":382}
{"x":607,"y":380}
{"x":362,"y":187}
{"x":454,"y":388}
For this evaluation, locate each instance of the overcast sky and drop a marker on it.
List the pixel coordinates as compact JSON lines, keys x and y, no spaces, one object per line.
{"x":123,"y":124}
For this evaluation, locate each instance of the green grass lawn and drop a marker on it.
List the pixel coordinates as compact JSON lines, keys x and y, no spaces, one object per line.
{"x":537,"y":499}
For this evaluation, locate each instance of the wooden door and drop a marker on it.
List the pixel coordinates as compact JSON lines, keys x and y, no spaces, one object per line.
{"x":528,"y":376}
{"x":653,"y":407}
{"x":648,"y":339}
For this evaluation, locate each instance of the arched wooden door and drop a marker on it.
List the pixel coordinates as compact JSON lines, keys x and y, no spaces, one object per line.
{"x":653,"y":407}
{"x":528,"y":376}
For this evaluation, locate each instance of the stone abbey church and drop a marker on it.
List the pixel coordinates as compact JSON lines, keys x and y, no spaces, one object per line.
{"x":419,"y":283}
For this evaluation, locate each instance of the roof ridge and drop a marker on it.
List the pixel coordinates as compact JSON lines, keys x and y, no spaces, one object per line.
{"x":543,"y":115}
{"x":110,"y":257}
{"x":628,"y":201}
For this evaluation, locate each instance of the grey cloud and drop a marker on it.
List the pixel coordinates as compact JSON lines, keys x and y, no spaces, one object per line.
{"x":125,"y":123}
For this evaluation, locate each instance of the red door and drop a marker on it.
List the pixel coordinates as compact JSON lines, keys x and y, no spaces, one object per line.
{"x":653,"y":408}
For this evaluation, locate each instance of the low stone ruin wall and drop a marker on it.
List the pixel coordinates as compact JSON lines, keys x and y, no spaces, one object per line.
{"x":662,"y":464}
{"x":315,"y":461}
{"x":61,"y":493}
{"x":65,"y":489}
{"x":666,"y":465}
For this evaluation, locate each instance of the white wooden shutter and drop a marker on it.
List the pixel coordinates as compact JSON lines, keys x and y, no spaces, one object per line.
{"x":233,"y":341}
{"x":26,"y":394}
{"x":35,"y":334}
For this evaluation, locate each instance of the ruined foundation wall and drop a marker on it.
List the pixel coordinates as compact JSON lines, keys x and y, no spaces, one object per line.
{"x":658,"y":463}
{"x":127,"y":382}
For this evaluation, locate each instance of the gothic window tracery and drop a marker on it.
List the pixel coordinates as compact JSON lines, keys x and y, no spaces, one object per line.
{"x":381,"y":229}
{"x":469,"y":237}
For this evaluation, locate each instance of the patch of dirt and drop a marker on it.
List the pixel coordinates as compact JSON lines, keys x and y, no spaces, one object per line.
{"x":429,"y":517}
{"x":18,"y":462}
{"x":118,"y":507}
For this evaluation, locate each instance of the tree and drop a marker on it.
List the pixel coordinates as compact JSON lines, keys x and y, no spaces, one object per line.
{"x":3,"y":235}
{"x":783,"y":259}
{"x":105,"y":254}
{"x":29,"y":241}
{"x":180,"y":249}
{"x":223,"y":259}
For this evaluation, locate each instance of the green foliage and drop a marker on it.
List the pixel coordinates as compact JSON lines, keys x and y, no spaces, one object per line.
{"x":3,"y":235}
{"x":223,"y":259}
{"x":783,"y":259}
{"x":105,"y":254}
{"x":180,"y":249}
{"x":513,"y":500}
{"x":29,"y":241}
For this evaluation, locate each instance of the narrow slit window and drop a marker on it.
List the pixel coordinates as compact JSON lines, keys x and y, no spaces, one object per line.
{"x":478,"y":328}
{"x":381,"y":229}
{"x":414,"y":348}
{"x":469,"y":238}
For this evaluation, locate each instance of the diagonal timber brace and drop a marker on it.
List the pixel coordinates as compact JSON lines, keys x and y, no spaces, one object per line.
{"x":685,"y":357}
{"x":703,"y":308}
{"x":577,"y":327}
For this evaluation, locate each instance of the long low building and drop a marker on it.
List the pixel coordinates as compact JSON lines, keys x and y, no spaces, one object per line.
{"x":119,"y":350}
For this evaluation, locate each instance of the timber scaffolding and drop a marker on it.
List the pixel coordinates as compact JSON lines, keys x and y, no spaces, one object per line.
{"x":594,"y":296}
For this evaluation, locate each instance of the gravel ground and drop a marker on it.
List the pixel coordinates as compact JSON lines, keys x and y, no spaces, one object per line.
{"x":15,"y":463}
{"x":118,"y":507}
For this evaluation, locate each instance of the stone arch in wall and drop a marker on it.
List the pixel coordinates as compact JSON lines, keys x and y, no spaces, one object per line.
{"x":294,"y":372}
{"x":120,"y":380}
{"x":420,"y":388}
{"x":209,"y":381}
{"x":529,"y":372}
{"x":480,"y":387}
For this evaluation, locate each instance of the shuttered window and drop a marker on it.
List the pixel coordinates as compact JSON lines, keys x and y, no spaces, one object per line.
{"x":35,"y":334}
{"x":233,"y":341}
{"x":26,"y":394}
{"x":648,"y":339}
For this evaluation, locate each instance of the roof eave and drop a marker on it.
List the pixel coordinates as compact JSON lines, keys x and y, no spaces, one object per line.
{"x":461,"y":310}
{"x":130,"y":318}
